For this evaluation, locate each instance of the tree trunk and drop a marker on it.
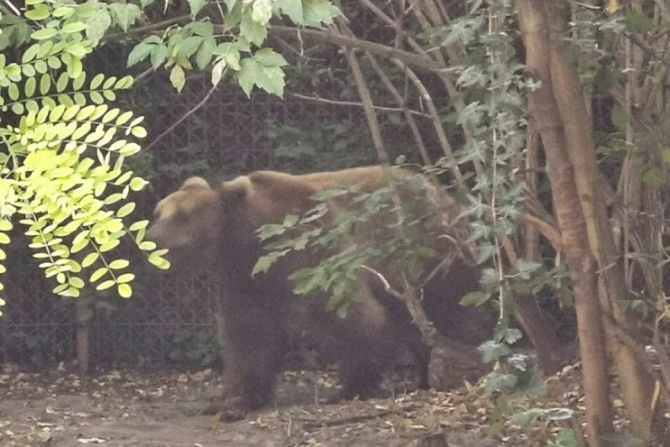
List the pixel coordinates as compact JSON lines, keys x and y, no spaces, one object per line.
{"x":636,"y":384}
{"x":547,"y":119}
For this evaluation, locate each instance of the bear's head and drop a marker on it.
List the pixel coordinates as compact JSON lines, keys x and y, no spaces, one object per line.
{"x":189,"y":223}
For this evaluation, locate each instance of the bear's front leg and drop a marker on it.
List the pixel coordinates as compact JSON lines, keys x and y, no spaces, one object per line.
{"x":253,"y":347}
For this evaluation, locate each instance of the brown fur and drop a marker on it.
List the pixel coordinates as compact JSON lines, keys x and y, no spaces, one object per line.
{"x":213,"y":229}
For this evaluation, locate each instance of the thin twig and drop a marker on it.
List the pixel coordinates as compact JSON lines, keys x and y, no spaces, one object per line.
{"x":435,"y":118}
{"x":11,"y":6}
{"x":337,"y":102}
{"x":180,"y":120}
{"x":368,"y":105}
{"x":421,"y":145}
{"x":413,"y":59}
{"x":388,"y":288}
{"x":444,"y":265}
{"x":147,"y":28}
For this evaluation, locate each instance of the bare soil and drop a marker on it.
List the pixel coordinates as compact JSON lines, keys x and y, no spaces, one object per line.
{"x":135,"y":408}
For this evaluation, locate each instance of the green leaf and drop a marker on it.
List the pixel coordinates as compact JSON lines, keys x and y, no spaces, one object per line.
{"x":137,"y":184}
{"x":202,"y":29}
{"x":105,"y":285}
{"x":178,"y":77}
{"x":187,"y":47}
{"x":90,"y":259}
{"x":125,"y":291}
{"x":126,"y":209}
{"x":261,"y":11}
{"x":98,"y":24}
{"x":76,"y":282}
{"x":30,"y":53}
{"x":293,"y":9}
{"x":126,"y":277}
{"x":102,"y":271}
{"x":139,"y":53}
{"x":78,"y":50}
{"x":32,"y":106}
{"x":254,"y":74}
{"x":147,"y":245}
{"x":139,"y":225}
{"x":61,"y":83}
{"x":124,"y":14}
{"x":196,"y":6}
{"x":267,"y":57}
{"x":45,"y":84}
{"x":263,"y":264}
{"x":28,"y":70}
{"x":156,"y":259}
{"x":319,"y":12}
{"x":205,"y":52}
{"x":96,"y":81}
{"x":139,"y":132}
{"x":252,"y":30}
{"x":159,"y":54}
{"x":41,"y":67}
{"x":13,"y":92}
{"x":63,"y":11}
{"x":217,"y":71}
{"x":109,"y":245}
{"x":78,"y":83}
{"x":97,"y":98}
{"x":475,"y":299}
{"x":119,"y":264}
{"x":39,"y":12}
{"x":54,"y":62}
{"x":74,"y":68}
{"x":73,"y":27}
{"x":124,"y":118}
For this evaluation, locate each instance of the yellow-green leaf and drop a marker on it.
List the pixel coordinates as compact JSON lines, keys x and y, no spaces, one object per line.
{"x":126,"y":209}
{"x":105,"y":285}
{"x":90,"y":259}
{"x":139,"y":132}
{"x":119,"y":264}
{"x":125,"y":291}
{"x":126,"y":277}
{"x":102,"y":271}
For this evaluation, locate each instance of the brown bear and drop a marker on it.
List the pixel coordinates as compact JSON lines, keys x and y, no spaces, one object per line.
{"x":213,"y":230}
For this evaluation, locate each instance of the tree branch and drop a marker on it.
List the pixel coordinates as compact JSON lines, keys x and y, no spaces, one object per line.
{"x":355,"y":43}
{"x":337,"y":102}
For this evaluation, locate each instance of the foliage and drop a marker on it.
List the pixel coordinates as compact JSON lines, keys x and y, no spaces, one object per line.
{"x":200,"y":347}
{"x":371,"y":229}
{"x":63,"y":155}
{"x":235,"y":44}
{"x":314,"y":145}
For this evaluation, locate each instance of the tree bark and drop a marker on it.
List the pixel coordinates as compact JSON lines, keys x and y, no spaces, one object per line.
{"x":636,"y":384}
{"x":545,"y":114}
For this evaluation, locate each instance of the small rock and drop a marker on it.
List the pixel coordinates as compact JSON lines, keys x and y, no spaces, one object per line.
{"x":433,"y":440}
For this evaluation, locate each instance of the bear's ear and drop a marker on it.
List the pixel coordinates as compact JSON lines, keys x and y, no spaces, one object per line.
{"x":235,"y":190}
{"x":194,"y":183}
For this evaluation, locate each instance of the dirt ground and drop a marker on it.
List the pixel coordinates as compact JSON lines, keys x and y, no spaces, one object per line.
{"x":134,"y":408}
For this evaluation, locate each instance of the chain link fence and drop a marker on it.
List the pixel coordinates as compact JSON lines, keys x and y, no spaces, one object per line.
{"x":169,"y":318}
